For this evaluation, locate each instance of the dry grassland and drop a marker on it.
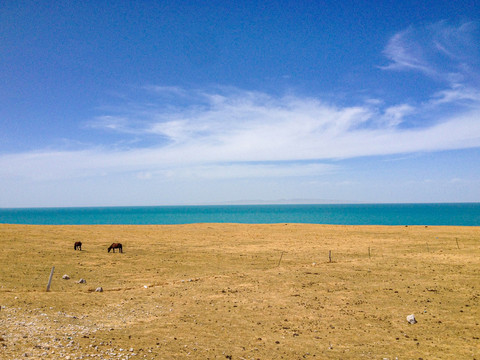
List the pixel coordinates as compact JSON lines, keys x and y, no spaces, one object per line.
{"x":230,"y":291}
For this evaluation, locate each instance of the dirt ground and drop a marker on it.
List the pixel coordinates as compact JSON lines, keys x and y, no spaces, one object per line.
{"x":232,"y":291}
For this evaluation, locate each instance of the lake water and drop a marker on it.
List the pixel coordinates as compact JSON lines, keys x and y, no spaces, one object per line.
{"x":461,"y":214}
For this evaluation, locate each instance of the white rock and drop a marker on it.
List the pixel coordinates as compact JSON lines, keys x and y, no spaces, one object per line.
{"x":411,"y":319}
{"x":66,"y":277}
{"x":82,"y":281}
{"x":99,"y":289}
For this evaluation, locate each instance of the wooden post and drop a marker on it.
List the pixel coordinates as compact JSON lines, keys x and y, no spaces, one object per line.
{"x":280,"y":259}
{"x":329,"y":255}
{"x":50,"y":279}
{"x":369,"y":252}
{"x":458,"y":247}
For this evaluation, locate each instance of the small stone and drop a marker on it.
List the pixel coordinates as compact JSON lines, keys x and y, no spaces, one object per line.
{"x":65,"y":277}
{"x":99,"y":289}
{"x":411,"y":319}
{"x":82,"y":281}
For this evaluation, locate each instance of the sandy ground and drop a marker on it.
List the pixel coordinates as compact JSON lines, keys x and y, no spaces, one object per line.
{"x":230,"y":291}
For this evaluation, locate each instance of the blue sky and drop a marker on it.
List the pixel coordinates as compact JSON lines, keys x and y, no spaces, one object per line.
{"x":187,"y":102}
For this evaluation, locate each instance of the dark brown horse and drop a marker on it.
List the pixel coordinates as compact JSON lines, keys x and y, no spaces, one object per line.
{"x":78,"y":245}
{"x":116,"y":246}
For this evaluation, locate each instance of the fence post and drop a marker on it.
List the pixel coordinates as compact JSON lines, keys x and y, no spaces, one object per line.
{"x":50,"y":278}
{"x":280,"y":260}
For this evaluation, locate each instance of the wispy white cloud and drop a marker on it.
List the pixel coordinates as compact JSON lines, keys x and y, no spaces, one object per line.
{"x":113,"y":123}
{"x":281,"y":137}
{"x":406,"y":53}
{"x":394,"y":115}
{"x":442,"y":51}
{"x":457,"y":94}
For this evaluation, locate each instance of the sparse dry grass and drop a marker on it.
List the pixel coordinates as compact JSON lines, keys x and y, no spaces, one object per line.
{"x":215,"y":291}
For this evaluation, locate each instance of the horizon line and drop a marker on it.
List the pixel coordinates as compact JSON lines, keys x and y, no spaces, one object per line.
{"x":246,"y":203}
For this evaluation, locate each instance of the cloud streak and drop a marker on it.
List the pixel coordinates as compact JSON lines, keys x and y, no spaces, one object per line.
{"x":441,"y":51}
{"x":263,"y":131}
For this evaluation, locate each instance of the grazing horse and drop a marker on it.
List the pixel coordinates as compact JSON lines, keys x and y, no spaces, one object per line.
{"x":78,"y":245}
{"x":116,"y":246}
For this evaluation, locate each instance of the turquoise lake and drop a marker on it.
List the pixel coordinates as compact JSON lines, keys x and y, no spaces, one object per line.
{"x":461,"y":214}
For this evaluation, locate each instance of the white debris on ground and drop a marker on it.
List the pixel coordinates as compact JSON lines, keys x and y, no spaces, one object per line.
{"x":411,"y":319}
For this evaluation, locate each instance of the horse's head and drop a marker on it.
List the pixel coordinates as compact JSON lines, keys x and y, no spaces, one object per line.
{"x":109,"y":248}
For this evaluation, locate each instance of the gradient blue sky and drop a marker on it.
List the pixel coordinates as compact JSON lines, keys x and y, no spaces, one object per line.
{"x":189,"y":102}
